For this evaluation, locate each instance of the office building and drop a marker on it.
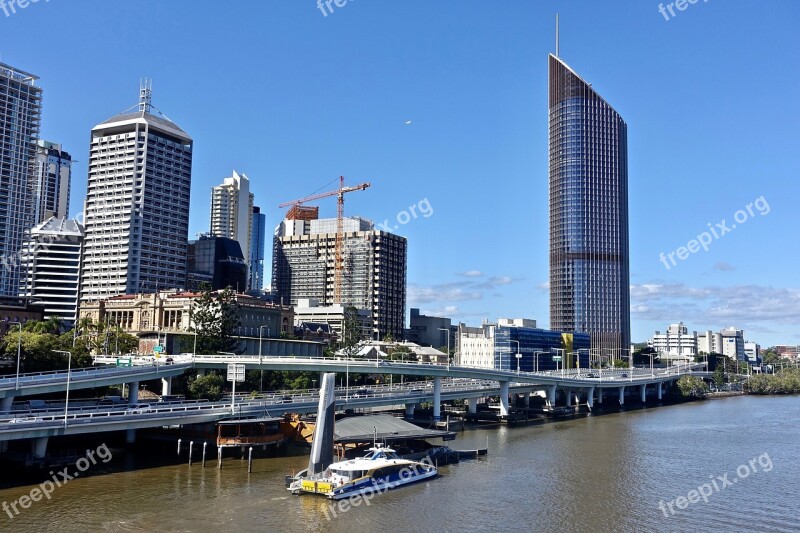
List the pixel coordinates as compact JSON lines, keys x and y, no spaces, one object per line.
{"x":232,"y":211}
{"x":752,"y":352}
{"x":676,"y":343}
{"x":216,"y":261}
{"x":20,"y":116}
{"x":373,"y":262}
{"x":51,"y":181}
{"x":309,"y":311}
{"x":588,"y":167}
{"x":430,"y":331}
{"x":137,"y":205}
{"x":15,"y":311}
{"x":50,"y":261}
{"x":258,"y":240}
{"x":728,"y":342}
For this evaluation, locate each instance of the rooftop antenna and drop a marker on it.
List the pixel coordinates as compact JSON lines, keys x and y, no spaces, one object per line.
{"x":556,"y":34}
{"x":145,"y":95}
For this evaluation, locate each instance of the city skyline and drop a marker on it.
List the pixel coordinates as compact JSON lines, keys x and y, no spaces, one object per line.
{"x":678,"y":144}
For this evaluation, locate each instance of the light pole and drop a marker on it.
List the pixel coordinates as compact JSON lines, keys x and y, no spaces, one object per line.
{"x":69,"y":371}
{"x":536,"y":356}
{"x":19,"y":350}
{"x":260,"y":360}
{"x":561,"y":357}
{"x":519,"y":355}
{"x":448,"y":346}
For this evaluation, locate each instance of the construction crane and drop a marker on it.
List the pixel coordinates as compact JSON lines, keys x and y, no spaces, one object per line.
{"x":340,"y":192}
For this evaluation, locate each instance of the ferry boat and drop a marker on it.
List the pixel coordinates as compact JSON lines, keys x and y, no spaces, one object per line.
{"x":378,"y":471}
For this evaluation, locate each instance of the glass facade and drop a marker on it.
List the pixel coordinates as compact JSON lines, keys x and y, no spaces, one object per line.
{"x":548,"y":343}
{"x":589,"y":263}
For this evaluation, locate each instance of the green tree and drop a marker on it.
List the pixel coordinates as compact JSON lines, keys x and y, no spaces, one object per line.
{"x":719,"y":376}
{"x":692,"y":388}
{"x":215,"y":316}
{"x":37,"y":350}
{"x":208,"y":387}
{"x":352,"y":331}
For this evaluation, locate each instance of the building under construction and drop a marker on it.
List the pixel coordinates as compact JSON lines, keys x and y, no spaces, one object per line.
{"x":373,"y":274}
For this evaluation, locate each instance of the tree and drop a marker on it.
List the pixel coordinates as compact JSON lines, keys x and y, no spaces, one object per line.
{"x":692,"y":388}
{"x":37,"y":350}
{"x":719,"y":376}
{"x":208,"y":387}
{"x":215,"y":316}
{"x":352,"y":331}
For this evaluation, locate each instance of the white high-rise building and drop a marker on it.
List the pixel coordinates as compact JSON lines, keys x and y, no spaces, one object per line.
{"x":232,"y":211}
{"x":728,"y":342}
{"x":50,"y":264}
{"x":51,"y":181}
{"x":137,"y":205}
{"x":20,"y":115}
{"x":675,"y":343}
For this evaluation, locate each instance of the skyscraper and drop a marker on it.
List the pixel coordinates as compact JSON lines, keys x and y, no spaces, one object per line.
{"x":374,"y":263}
{"x":51,"y":181}
{"x":20,"y":115}
{"x":589,"y":272}
{"x":258,"y":236}
{"x":232,"y":211}
{"x":137,"y":204}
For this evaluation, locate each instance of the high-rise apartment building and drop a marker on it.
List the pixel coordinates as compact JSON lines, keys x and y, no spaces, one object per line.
{"x":137,"y":205}
{"x":50,"y":264}
{"x":232,"y":211}
{"x":258,"y":239}
{"x":374,"y":268}
{"x":51,"y":181}
{"x":588,"y":166}
{"x":20,"y":116}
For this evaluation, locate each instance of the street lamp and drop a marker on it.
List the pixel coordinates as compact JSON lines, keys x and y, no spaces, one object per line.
{"x":19,"y":350}
{"x":519,"y":355}
{"x":536,"y":356}
{"x":69,"y":371}
{"x":561,"y":357}
{"x":448,"y":346}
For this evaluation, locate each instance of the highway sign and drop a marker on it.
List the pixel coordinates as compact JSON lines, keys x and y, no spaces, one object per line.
{"x":557,"y":358}
{"x":235,"y":372}
{"x":158,"y":348}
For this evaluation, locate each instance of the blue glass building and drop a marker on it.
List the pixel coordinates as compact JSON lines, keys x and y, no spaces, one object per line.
{"x":588,"y":167}
{"x":538,"y":348}
{"x":258,"y":235}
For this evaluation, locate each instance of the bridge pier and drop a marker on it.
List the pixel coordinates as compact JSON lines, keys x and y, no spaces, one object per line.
{"x":590,"y":398}
{"x":504,"y":398}
{"x":526,"y":399}
{"x":133,"y":392}
{"x":600,"y":396}
{"x":202,"y":372}
{"x":437,"y":399}
{"x":410,"y":410}
{"x":569,"y":397}
{"x":643,"y":391}
{"x":472,"y":405}
{"x":130,"y":436}
{"x":5,"y":404}
{"x":659,"y":390}
{"x":622,"y":395}
{"x":166,"y":386}
{"x":39,"y":447}
{"x":551,"y":396}
{"x":3,"y":446}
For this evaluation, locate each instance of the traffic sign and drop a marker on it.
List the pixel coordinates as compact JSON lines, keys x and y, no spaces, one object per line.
{"x":235,"y":372}
{"x":557,"y":358}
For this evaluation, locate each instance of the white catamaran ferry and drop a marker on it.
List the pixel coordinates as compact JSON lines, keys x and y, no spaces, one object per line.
{"x":378,"y":471}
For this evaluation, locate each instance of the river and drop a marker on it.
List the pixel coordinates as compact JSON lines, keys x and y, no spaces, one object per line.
{"x":601,"y":473}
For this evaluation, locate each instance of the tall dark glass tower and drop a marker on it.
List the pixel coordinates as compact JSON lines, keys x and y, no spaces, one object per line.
{"x":589,"y":272}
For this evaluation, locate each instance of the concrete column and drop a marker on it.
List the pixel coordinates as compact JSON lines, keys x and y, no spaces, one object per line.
{"x":526,"y":399}
{"x":504,"y":398}
{"x":166,"y":386}
{"x":643,"y":390}
{"x":600,"y":396}
{"x":130,"y":436}
{"x":569,"y":397}
{"x":590,"y":398}
{"x":39,"y":447}
{"x":5,"y":404}
{"x":410,"y":410}
{"x":622,"y":395}
{"x":659,"y":390}
{"x":3,"y":446}
{"x":551,"y":396}
{"x":201,"y":372}
{"x":437,"y":399}
{"x":473,"y":405}
{"x":133,"y":392}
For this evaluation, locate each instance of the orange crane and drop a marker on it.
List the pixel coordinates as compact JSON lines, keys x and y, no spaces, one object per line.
{"x":340,"y":192}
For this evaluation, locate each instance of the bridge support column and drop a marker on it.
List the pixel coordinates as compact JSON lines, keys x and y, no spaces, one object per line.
{"x":133,"y":392}
{"x":202,"y":372}
{"x":590,"y":398}
{"x":130,"y":436}
{"x":569,"y":397}
{"x":39,"y":447}
{"x":622,"y":395}
{"x":437,"y":399}
{"x":472,"y":405}
{"x":3,"y":446}
{"x":410,"y":410}
{"x":551,"y":396}
{"x":643,"y":391}
{"x":659,"y":390}
{"x":5,"y":404}
{"x":504,"y":398}
{"x":166,"y":386}
{"x":526,"y":399}
{"x":600,"y":396}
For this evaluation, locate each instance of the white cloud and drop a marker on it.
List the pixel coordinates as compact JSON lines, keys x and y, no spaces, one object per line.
{"x":472,"y":274}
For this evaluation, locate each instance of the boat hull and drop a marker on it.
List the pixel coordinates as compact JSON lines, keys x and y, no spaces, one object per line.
{"x":378,"y":487}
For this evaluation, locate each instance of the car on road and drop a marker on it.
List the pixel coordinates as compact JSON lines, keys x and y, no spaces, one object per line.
{"x":591,"y":375}
{"x":624,"y":375}
{"x":23,"y":420}
{"x":169,"y":361}
{"x":284,"y":399}
{"x":139,"y":409}
{"x":363,"y":393}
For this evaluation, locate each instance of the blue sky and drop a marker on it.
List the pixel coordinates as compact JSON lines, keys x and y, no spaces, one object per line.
{"x":294,"y":99}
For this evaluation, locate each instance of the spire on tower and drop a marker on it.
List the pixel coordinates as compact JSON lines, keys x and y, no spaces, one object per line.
{"x":145,"y":95}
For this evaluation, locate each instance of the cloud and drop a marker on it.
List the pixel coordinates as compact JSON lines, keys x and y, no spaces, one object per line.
{"x":447,"y":292}
{"x":723,"y":266}
{"x":446,"y":311}
{"x":494,"y":282}
{"x":471,"y":274}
